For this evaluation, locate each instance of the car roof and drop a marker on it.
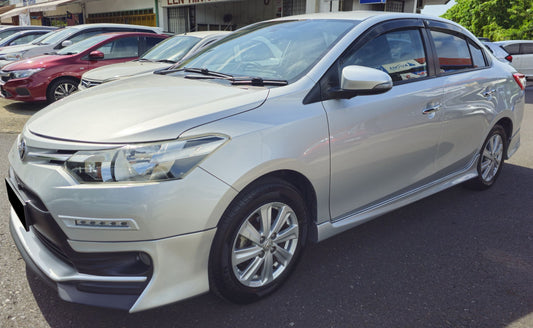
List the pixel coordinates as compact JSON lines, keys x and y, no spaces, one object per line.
{"x":205,"y":34}
{"x":104,"y":25}
{"x":513,"y":41}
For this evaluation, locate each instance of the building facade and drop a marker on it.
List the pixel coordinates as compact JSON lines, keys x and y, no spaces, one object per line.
{"x":179,"y":16}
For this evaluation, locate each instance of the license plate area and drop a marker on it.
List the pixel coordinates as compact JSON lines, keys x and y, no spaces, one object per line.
{"x":18,"y":203}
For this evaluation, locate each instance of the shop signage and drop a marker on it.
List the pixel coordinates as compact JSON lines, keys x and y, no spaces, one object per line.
{"x":187,"y":2}
{"x":372,"y":1}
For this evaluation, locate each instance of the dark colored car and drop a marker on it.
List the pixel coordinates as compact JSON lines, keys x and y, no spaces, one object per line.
{"x":52,"y":77}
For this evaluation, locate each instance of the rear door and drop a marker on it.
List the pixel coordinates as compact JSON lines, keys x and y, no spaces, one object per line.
{"x":384,"y":145}
{"x":471,"y":93}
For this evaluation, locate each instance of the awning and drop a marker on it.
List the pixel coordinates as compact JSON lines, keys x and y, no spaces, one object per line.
{"x":43,"y":6}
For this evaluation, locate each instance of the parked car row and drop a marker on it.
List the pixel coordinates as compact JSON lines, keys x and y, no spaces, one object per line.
{"x":216,"y":172}
{"x":518,"y":53}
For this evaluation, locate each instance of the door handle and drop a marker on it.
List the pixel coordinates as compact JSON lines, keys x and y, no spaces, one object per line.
{"x":489,"y":93}
{"x":430,"y":110}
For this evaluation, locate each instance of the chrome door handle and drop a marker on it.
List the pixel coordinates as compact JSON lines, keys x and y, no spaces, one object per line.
{"x":431,"y":110}
{"x":489,"y":93}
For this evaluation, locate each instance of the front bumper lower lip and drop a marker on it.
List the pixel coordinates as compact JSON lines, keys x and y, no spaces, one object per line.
{"x":64,"y":277}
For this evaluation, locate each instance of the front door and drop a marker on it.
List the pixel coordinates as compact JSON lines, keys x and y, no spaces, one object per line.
{"x":384,"y":145}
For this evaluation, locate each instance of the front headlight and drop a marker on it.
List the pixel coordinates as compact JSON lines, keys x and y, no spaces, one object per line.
{"x":144,"y":162}
{"x":24,"y":73}
{"x":13,"y":56}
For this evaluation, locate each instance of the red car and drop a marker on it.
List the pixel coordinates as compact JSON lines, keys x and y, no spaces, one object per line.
{"x":52,"y":77}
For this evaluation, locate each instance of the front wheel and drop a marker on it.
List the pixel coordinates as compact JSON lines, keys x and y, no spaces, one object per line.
{"x":258,"y":242}
{"x":61,"y":88}
{"x":491,"y":158}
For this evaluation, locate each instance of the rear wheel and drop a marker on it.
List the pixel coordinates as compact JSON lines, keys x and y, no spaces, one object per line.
{"x":258,"y":242}
{"x":61,"y":88}
{"x":491,"y":158}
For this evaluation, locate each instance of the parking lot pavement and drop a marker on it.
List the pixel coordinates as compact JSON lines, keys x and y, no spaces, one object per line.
{"x":456,"y":259}
{"x":13,"y":114}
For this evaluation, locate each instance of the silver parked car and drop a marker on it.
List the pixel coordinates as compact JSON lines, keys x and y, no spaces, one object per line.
{"x":161,"y":56}
{"x":522,"y":54}
{"x":215,"y":174}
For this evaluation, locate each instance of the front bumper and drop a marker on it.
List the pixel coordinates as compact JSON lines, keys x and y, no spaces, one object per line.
{"x":179,"y":269}
{"x":25,"y":89}
{"x":174,"y":228}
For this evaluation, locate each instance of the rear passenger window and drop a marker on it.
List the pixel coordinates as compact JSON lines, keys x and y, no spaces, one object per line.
{"x":526,"y":48}
{"x":512,"y":49}
{"x":454,"y":53}
{"x":399,"y":53}
{"x":477,"y":56}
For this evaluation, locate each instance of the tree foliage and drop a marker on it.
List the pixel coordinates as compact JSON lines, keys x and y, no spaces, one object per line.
{"x":495,"y":19}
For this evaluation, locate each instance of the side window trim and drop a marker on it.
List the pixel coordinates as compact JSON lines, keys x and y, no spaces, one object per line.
{"x":318,"y":92}
{"x":442,"y":27}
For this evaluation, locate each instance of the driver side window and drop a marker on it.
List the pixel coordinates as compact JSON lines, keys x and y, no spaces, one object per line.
{"x":398,"y":53}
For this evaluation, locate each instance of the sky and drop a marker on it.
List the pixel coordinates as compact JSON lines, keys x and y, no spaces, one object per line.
{"x":437,"y":10}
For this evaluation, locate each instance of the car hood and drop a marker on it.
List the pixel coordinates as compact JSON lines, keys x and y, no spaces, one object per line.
{"x":115,"y":71}
{"x":21,"y":47}
{"x":36,"y":62}
{"x":142,"y":109}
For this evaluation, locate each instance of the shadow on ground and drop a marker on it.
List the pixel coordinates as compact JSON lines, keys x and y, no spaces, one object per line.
{"x":456,"y":259}
{"x":24,"y":108}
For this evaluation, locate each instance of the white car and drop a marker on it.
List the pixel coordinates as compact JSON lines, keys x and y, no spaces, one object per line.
{"x":214,"y":174}
{"x":522,"y":52}
{"x":161,"y":56}
{"x":65,"y":37}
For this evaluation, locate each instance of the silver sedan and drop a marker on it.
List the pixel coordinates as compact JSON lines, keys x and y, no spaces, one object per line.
{"x":214,"y":174}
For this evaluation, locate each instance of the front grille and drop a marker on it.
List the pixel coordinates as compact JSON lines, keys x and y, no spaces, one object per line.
{"x":87,"y":83}
{"x":5,"y":93}
{"x":48,"y":156}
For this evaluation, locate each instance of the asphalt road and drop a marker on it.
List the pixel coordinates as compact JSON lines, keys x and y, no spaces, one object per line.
{"x":456,"y":259}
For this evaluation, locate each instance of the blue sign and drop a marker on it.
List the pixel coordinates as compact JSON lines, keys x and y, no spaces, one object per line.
{"x":372,"y":1}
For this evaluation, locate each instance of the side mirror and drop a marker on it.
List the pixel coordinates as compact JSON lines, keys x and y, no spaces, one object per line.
{"x":66,"y":43}
{"x":96,"y":55}
{"x":361,"y":80}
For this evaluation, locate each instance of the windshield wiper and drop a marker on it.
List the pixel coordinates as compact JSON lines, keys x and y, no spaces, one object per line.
{"x":166,"y":61}
{"x":208,"y":74}
{"x":256,"y":81}
{"x":143,"y":60}
{"x":65,"y":53}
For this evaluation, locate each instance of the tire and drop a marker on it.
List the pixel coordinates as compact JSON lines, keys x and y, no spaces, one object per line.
{"x":250,"y":259}
{"x":491,"y":158}
{"x":60,"y":88}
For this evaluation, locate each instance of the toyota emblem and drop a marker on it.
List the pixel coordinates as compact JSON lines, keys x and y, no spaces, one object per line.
{"x":22,"y":148}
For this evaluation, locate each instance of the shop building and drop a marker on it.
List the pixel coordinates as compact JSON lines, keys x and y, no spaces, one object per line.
{"x":179,"y":16}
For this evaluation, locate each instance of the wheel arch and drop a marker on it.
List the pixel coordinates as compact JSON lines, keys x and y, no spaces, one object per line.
{"x":59,"y":77}
{"x":507,"y":126}
{"x":305,"y":188}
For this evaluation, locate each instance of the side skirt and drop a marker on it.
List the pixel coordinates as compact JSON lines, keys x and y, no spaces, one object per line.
{"x":331,"y":228}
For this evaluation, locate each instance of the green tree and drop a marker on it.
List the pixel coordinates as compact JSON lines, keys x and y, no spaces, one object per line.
{"x":494,"y":19}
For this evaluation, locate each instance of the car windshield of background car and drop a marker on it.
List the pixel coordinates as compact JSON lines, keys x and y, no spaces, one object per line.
{"x":42,"y":37}
{"x":280,"y":50}
{"x":57,"y":36}
{"x":172,"y":49}
{"x":7,"y":33}
{"x":78,"y":47}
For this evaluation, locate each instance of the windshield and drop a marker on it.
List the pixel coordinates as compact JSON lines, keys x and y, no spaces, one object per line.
{"x":9,"y":32}
{"x":42,"y":37}
{"x":56,"y":37}
{"x":172,"y":49}
{"x":83,"y":45}
{"x":283,"y":50}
